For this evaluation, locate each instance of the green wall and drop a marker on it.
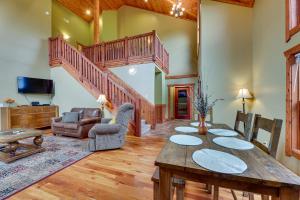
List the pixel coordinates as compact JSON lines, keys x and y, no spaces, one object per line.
{"x":226,"y":55}
{"x":65,"y":21}
{"x":109,"y":25}
{"x":24,"y":33}
{"x":178,"y":36}
{"x":269,"y":67}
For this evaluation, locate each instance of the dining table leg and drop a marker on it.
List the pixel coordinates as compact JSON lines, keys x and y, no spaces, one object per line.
{"x":165,"y":184}
{"x":286,"y":193}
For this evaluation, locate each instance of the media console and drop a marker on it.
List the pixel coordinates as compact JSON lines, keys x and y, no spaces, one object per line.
{"x":27,"y":116}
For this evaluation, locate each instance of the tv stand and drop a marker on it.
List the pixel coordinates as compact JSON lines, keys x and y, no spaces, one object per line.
{"x":27,"y":116}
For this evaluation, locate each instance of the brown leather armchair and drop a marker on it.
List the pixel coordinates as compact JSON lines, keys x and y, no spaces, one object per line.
{"x":88,"y":117}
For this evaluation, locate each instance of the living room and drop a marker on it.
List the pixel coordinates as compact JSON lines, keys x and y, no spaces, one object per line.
{"x":118,"y":108}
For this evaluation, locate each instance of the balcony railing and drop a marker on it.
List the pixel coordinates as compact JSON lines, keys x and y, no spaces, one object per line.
{"x":144,"y":48}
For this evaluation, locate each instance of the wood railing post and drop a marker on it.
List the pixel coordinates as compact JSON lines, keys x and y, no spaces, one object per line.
{"x":137,"y":119}
{"x":154,"y":46}
{"x":126,"y":50}
{"x":102,"y":54}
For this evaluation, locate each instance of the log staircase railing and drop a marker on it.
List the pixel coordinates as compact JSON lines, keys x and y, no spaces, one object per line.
{"x":137,"y":49}
{"x":99,"y":82}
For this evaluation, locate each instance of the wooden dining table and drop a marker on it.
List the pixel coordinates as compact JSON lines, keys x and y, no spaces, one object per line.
{"x":264,"y":175}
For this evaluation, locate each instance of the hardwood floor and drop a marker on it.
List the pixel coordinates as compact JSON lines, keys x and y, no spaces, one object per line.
{"x":123,"y":174}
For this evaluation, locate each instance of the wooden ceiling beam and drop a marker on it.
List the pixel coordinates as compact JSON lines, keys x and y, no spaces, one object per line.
{"x":246,"y":3}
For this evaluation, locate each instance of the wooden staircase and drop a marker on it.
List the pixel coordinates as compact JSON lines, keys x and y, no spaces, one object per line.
{"x":98,"y":81}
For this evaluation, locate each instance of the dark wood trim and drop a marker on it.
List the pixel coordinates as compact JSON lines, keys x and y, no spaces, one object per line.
{"x":182,"y":76}
{"x":289,"y":32}
{"x":292,"y":124}
{"x":160,"y":113}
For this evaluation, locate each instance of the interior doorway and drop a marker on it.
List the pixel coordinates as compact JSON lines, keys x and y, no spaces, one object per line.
{"x":180,"y":101}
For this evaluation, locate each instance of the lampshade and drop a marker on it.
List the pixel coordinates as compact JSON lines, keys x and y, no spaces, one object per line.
{"x":244,"y":93}
{"x":102,"y":99}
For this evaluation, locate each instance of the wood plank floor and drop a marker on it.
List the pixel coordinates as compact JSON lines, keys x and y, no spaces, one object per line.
{"x":123,"y":174}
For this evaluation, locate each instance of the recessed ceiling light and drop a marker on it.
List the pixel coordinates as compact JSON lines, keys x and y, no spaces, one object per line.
{"x":47,"y":13}
{"x":132,"y":71}
{"x":88,"y":12}
{"x":146,"y":1}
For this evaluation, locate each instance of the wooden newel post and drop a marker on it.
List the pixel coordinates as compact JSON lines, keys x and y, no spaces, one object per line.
{"x":138,"y":109}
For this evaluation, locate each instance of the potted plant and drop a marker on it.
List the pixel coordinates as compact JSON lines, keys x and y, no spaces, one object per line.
{"x":203,"y":106}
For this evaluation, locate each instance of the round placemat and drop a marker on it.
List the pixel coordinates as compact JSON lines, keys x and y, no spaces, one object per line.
{"x":185,"y":140}
{"x":219,"y":161}
{"x":196,"y":124}
{"x":223,"y":132}
{"x":233,"y":143}
{"x":186,"y":129}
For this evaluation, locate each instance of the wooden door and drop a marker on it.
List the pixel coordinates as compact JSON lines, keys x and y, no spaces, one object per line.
{"x":182,"y":103}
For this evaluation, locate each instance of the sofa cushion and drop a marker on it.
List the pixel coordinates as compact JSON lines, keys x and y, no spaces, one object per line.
{"x":70,"y":117}
{"x":58,"y":124}
{"x":70,"y":126}
{"x":80,"y":111}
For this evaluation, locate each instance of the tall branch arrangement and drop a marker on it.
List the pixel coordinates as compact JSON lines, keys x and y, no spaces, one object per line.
{"x":202,"y":104}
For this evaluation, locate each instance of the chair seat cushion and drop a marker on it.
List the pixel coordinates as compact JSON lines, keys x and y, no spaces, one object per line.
{"x":65,"y":125}
{"x":101,"y":129}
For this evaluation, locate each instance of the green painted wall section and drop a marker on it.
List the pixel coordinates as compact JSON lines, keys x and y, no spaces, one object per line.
{"x":158,"y":88}
{"x":109,"y":25}
{"x":24,"y":33}
{"x":178,"y":36}
{"x":66,"y":22}
{"x":269,"y":68}
{"x":226,"y":55}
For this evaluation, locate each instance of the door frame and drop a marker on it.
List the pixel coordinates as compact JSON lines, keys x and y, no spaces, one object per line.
{"x":191,"y":88}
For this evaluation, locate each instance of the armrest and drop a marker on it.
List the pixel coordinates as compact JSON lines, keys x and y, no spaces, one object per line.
{"x":101,"y":129}
{"x":56,"y":119}
{"x":92,"y":120}
{"x":105,"y":120}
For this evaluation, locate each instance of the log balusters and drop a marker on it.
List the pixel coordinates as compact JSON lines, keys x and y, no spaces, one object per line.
{"x":99,"y":82}
{"x":144,"y":48}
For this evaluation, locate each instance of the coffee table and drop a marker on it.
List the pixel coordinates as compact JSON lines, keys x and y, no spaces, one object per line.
{"x":12,"y":149}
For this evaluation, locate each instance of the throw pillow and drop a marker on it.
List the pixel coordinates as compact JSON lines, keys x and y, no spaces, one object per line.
{"x":70,"y":117}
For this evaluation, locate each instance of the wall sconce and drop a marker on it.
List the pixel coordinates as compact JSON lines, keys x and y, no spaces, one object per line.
{"x":244,"y":94}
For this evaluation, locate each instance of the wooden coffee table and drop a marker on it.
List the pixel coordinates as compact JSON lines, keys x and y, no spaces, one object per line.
{"x":11,"y":149}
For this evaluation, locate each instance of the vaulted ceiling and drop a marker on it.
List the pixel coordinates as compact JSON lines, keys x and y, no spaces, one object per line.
{"x":79,"y":7}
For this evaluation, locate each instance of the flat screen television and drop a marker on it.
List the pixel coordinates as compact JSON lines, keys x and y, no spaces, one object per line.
{"x":34,"y":85}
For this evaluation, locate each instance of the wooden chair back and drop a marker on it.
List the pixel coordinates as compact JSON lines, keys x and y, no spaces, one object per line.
{"x":271,"y":126}
{"x":246,"y":119}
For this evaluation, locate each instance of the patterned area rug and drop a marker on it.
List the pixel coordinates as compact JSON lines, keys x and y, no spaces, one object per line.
{"x":60,"y":153}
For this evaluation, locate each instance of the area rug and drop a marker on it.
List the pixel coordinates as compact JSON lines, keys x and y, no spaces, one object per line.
{"x":60,"y":153}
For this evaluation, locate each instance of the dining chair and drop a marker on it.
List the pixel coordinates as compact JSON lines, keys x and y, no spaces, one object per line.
{"x":178,"y":186}
{"x":246,"y":120}
{"x":273,"y":127}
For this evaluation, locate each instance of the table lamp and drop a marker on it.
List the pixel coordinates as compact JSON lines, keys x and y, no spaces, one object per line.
{"x":102,"y":100}
{"x":244,"y":94}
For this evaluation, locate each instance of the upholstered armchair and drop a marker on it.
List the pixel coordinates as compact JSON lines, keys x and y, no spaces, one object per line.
{"x":88,"y":117}
{"x":104,"y":136}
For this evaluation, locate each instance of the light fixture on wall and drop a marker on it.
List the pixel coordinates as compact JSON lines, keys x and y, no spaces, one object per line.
{"x":244,"y":94}
{"x":47,"y":13}
{"x":177,"y":10}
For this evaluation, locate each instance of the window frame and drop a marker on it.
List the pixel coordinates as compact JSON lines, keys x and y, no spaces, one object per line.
{"x":290,"y":31}
{"x":292,"y":145}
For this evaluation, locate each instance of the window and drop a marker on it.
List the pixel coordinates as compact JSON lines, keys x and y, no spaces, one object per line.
{"x":292,"y":18}
{"x":293,"y":102}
